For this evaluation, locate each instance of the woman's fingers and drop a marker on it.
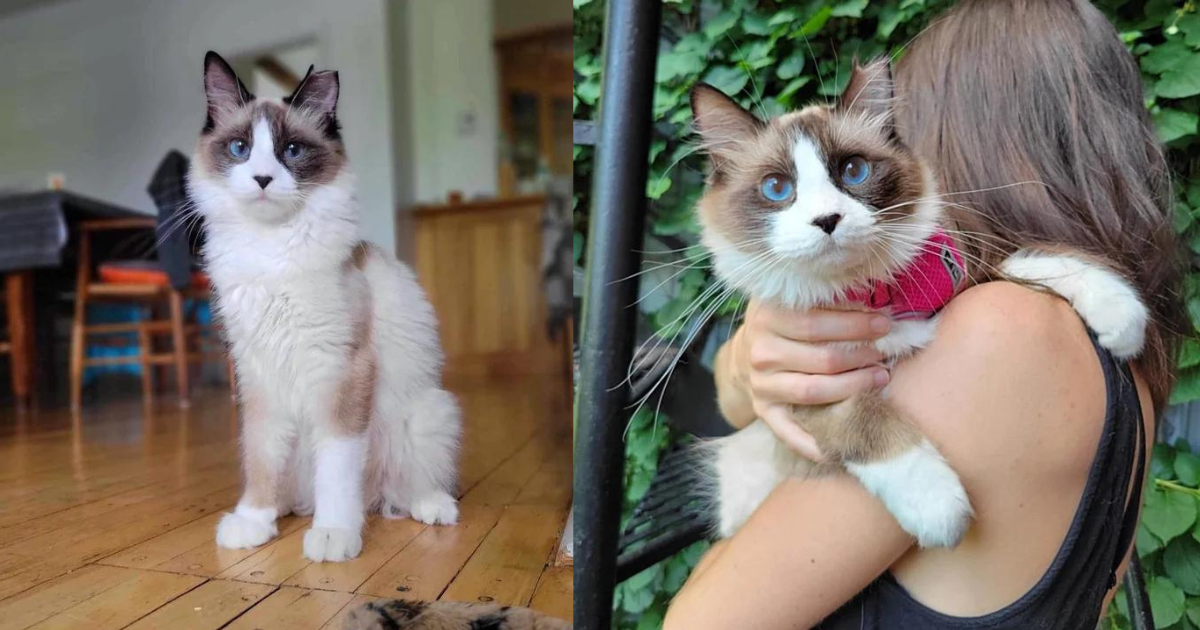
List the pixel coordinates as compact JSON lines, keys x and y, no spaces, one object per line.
{"x":779,"y":419}
{"x":798,"y":388}
{"x":822,"y":325}
{"x":771,"y":354}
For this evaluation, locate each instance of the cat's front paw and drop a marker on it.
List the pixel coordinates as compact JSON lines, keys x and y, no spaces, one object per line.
{"x":332,"y":544}
{"x":236,"y":531}
{"x":438,"y":508}
{"x":1105,"y":300}
{"x":923,"y":494}
{"x":1112,"y":309}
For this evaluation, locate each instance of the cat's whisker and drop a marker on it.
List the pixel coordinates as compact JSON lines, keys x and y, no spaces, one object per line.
{"x":664,"y":282}
{"x":694,"y":330}
{"x":658,"y":337}
{"x":756,"y":95}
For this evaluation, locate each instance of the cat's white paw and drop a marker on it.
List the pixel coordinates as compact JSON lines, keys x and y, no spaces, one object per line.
{"x":1112,"y":309}
{"x":437,"y":508}
{"x":906,"y":337}
{"x":236,"y":531}
{"x":332,"y":544}
{"x":922,"y":492}
{"x":1108,"y":304}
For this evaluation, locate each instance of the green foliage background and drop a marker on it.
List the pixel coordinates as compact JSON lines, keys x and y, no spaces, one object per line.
{"x":776,"y":55}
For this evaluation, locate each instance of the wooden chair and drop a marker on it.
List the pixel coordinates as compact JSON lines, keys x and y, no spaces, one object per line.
{"x":16,"y":337}
{"x":139,"y":283}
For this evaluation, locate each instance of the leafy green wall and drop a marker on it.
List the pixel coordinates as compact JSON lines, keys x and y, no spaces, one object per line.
{"x":778,"y":55}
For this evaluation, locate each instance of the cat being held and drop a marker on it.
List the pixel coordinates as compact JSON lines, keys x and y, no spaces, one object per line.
{"x":826,"y":207}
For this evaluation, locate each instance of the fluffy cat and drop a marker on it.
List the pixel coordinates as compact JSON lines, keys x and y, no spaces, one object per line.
{"x":335,"y":344}
{"x":826,"y":207}
{"x":399,"y":614}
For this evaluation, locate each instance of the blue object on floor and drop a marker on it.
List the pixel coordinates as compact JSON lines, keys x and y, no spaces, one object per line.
{"x":113,"y":314}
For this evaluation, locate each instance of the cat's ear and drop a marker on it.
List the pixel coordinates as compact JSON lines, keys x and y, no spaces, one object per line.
{"x":720,"y":121}
{"x":222,"y":87}
{"x":869,"y":92}
{"x":317,"y":91}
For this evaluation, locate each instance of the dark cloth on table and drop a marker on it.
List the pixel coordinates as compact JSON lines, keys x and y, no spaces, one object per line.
{"x":179,"y":231}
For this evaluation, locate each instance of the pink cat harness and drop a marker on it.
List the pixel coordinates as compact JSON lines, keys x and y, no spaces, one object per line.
{"x":921,"y":289}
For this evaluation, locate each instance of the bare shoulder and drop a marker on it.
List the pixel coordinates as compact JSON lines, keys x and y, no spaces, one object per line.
{"x":1010,"y":370}
{"x":1011,"y":320}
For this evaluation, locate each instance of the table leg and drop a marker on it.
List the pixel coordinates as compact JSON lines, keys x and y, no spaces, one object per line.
{"x":18,"y":293}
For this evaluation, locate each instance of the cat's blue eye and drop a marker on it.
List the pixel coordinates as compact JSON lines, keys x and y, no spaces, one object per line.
{"x":239,"y":149}
{"x":777,"y":188}
{"x":855,"y":170}
{"x":293,"y":151}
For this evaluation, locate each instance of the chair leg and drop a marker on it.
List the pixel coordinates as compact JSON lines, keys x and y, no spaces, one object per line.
{"x":144,"y":342}
{"x":19,"y":304}
{"x":78,"y":347}
{"x":233,"y":391}
{"x":179,"y":341}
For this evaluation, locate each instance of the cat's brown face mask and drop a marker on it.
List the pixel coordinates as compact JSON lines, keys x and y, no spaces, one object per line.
{"x":267,"y":154}
{"x":827,"y":191}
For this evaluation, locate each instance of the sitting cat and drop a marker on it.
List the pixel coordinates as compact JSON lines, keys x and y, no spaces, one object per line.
{"x":334,"y":343}
{"x":826,"y":207}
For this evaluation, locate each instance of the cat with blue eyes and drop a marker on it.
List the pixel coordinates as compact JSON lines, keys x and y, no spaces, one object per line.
{"x":334,"y":343}
{"x":826,"y":207}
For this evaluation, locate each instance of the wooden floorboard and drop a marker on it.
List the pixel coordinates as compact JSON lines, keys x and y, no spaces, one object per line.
{"x":107,"y":521}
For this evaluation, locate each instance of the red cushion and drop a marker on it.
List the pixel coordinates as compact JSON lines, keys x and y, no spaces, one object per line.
{"x":143,"y":272}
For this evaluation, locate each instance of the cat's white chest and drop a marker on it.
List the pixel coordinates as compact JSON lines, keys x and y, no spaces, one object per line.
{"x":289,"y":336}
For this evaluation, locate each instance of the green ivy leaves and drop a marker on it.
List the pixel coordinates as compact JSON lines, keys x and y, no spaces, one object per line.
{"x":1168,"y":514}
{"x":1168,"y":541}
{"x":1166,"y":601}
{"x":1173,"y":124}
{"x":1182,"y":562}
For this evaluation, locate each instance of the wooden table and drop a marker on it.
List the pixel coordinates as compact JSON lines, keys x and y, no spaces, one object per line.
{"x":35,"y":229}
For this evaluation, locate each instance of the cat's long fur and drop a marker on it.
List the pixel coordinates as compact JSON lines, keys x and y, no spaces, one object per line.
{"x":335,"y":344}
{"x":399,"y":614}
{"x":779,"y":252}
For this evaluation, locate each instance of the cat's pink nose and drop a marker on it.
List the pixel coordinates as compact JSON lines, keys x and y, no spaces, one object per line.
{"x":827,"y":222}
{"x":263,"y":180}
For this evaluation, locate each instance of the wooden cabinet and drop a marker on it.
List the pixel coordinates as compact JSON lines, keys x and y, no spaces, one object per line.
{"x":480,"y":262}
{"x":535,"y":107}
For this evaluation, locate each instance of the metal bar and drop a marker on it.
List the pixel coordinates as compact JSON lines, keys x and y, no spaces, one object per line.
{"x":1135,"y":595}
{"x":614,"y":236}
{"x":584,"y":133}
{"x":660,"y":549}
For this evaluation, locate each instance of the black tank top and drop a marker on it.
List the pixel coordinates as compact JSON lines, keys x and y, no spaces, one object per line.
{"x":1069,"y":596}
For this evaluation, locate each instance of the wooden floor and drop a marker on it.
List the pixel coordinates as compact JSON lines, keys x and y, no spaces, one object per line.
{"x":108,"y":520}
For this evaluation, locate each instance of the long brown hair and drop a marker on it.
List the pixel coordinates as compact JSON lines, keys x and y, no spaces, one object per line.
{"x":1031,"y":115}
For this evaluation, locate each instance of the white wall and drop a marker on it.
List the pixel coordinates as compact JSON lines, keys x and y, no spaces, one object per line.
{"x":452,"y":74}
{"x":404,"y":157}
{"x":100,"y":91}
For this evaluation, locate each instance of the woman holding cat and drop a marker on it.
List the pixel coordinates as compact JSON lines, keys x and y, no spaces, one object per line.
{"x":1043,"y":433}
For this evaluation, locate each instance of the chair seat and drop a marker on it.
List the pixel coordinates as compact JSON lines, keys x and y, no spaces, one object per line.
{"x":144,"y":273}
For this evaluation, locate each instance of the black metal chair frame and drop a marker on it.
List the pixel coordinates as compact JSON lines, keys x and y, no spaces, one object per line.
{"x":618,"y":209}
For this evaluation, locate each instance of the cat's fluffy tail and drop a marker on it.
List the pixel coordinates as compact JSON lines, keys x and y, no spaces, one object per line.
{"x":399,"y":614}
{"x":416,"y":424}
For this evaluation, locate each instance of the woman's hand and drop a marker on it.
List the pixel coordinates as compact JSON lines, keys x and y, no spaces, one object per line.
{"x":780,"y":358}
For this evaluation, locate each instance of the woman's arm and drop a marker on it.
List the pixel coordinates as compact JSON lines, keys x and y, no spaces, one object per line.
{"x":1005,"y":359}
{"x":810,"y":548}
